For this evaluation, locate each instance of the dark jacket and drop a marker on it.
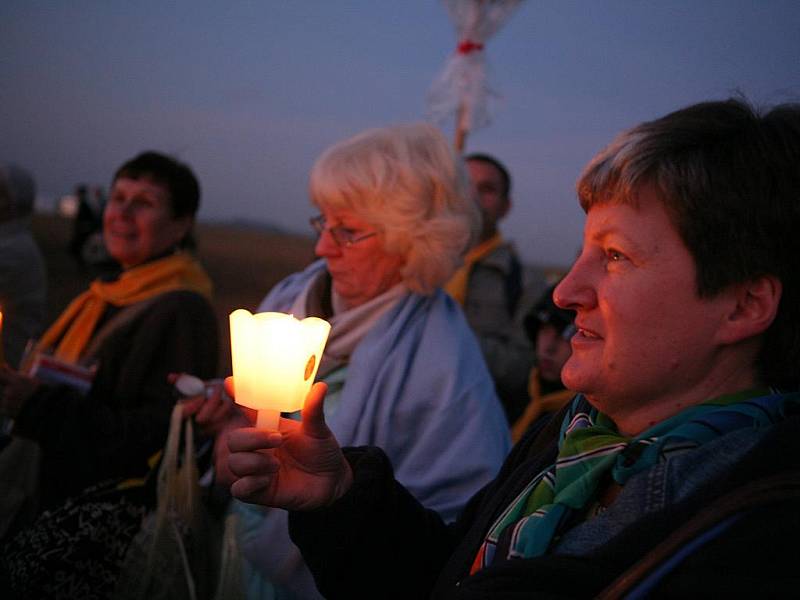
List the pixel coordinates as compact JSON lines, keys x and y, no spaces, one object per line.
{"x":125,"y":416}
{"x":734,"y":534}
{"x":493,"y":292}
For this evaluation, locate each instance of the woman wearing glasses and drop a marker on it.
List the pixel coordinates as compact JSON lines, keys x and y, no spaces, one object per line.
{"x":403,"y":369}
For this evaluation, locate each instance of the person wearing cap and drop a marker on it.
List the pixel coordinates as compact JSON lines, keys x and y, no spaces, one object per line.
{"x":23,"y":275}
{"x":549,"y":328}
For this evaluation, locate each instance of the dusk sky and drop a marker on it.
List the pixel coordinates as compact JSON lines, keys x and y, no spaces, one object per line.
{"x":250,"y":93}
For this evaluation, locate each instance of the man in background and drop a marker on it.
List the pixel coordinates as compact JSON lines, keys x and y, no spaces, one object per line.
{"x":489,"y":285}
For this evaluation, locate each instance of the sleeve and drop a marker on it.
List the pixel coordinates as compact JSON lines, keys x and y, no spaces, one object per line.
{"x":124,"y":419}
{"x":376,"y":535}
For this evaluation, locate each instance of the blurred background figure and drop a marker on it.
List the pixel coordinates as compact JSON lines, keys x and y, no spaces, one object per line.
{"x":488,"y":285}
{"x":549,"y":329}
{"x":23,"y":279}
{"x":87,"y":244}
{"x":402,"y":366}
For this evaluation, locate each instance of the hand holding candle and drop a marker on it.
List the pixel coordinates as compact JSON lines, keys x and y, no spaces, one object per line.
{"x":275,"y":359}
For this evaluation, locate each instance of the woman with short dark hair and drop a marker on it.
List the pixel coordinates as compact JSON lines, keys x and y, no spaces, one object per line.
{"x":125,"y":334}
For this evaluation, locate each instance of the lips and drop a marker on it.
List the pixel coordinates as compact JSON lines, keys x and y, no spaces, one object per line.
{"x":584,"y":333}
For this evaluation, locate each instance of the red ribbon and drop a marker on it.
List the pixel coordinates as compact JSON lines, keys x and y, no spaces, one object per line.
{"x":468,"y":46}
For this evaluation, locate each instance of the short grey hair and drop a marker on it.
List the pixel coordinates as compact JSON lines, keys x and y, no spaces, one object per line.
{"x":406,"y":182}
{"x":728,"y":175}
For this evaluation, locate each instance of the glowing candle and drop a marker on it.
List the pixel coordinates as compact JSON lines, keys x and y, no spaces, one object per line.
{"x":275,"y":358}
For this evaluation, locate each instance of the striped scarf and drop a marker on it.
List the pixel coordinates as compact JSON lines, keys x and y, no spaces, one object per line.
{"x":591,"y":449}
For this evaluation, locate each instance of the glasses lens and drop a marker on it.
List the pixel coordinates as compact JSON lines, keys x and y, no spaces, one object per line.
{"x":343,"y":236}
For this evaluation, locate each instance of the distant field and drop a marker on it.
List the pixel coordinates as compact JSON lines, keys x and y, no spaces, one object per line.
{"x":243,"y":264}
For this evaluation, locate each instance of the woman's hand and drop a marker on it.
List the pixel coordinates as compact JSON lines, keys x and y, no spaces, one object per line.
{"x":15,"y":389}
{"x":212,"y":409}
{"x":299,"y":468}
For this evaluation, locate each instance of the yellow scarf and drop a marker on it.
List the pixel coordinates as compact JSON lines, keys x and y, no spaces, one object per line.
{"x":76,"y":325}
{"x":457,"y":286}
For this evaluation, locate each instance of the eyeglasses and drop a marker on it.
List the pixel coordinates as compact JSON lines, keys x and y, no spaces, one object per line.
{"x":341,"y":235}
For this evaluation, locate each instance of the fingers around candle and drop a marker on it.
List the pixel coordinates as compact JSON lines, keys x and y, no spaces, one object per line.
{"x":250,"y":488}
{"x":250,"y":439}
{"x":243,"y":464}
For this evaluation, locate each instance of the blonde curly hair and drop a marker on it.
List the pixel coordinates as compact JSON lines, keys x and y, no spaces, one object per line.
{"x":406,"y":182}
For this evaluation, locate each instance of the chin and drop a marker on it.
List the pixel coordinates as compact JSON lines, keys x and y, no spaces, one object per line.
{"x":580,"y":381}
{"x":572,"y":375}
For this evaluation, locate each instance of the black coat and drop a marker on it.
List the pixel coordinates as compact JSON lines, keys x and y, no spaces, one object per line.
{"x":125,"y":416}
{"x":377,"y":541}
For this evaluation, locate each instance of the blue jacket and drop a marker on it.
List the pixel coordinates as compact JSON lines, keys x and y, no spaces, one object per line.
{"x":418,"y":387}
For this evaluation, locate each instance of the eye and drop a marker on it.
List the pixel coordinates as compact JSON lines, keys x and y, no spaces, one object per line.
{"x":144,"y":201}
{"x":346,"y":234}
{"x":614,"y":256}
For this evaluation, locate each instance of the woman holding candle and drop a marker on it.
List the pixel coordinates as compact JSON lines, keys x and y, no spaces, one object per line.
{"x":127,"y":333}
{"x":403,"y":369}
{"x":674,"y":473}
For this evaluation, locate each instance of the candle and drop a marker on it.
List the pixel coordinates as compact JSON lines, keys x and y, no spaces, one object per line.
{"x":275,"y":358}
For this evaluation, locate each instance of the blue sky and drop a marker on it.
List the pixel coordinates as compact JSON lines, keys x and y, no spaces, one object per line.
{"x":249,"y":93}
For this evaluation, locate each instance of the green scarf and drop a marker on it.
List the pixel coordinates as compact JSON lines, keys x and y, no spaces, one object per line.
{"x":591,"y":449}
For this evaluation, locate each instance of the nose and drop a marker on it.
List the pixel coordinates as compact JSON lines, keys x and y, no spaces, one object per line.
{"x":120,"y":208}
{"x":326,"y":246}
{"x":576,"y":291}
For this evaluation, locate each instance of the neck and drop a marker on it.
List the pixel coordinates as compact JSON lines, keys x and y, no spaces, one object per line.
{"x":487,"y":234}
{"x":645,"y":414}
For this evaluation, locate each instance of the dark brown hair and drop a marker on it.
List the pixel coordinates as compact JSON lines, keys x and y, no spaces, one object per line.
{"x":729,"y":177}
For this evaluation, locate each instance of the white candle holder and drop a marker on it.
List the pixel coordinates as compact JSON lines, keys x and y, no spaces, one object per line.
{"x":275,"y":358}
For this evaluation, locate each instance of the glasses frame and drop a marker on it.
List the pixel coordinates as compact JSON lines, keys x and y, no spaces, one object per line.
{"x":342,"y":239}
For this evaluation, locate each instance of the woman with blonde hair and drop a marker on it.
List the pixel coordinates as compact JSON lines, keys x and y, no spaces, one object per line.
{"x":403,"y":368}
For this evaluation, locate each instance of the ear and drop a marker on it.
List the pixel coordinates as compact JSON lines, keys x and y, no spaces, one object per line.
{"x":183,"y":225}
{"x":755,"y":304}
